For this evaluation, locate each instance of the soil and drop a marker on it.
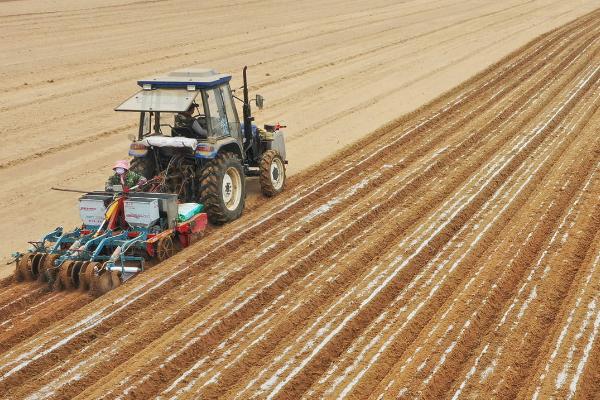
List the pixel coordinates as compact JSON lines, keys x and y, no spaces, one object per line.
{"x":333,"y":72}
{"x":453,"y":252}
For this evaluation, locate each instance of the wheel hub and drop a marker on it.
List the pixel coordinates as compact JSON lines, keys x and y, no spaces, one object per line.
{"x":227,"y":188}
{"x":276,"y":175}
{"x":232,"y":188}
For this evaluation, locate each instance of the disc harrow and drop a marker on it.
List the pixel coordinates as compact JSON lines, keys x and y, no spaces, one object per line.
{"x":120,"y":234}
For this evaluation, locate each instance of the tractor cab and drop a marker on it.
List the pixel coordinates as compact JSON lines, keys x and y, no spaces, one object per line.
{"x":191,"y":141}
{"x":194,"y":104}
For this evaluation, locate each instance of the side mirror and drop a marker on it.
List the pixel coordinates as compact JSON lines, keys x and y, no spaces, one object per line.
{"x":260,"y":101}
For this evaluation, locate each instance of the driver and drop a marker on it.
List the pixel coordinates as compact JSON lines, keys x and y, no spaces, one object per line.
{"x":124,"y":177}
{"x":188,"y":126}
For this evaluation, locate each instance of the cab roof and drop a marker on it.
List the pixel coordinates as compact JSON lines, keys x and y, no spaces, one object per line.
{"x":199,"y":78}
{"x":160,"y":100}
{"x":173,"y":92}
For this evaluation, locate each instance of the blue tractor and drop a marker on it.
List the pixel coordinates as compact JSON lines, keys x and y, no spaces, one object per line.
{"x":195,"y":153}
{"x":191,"y":141}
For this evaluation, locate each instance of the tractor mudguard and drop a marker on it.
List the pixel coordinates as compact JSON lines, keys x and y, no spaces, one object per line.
{"x":209,"y":150}
{"x":278,"y":144}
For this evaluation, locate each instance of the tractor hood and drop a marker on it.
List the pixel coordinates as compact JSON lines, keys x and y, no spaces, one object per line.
{"x":160,"y":100}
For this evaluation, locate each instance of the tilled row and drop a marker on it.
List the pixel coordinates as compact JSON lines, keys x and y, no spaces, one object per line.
{"x":292,"y":290}
{"x":368,"y":252}
{"x":305,"y":199}
{"x":533,"y":309}
{"x":435,"y":282}
{"x":571,"y":359}
{"x":430,"y":363}
{"x":47,"y":309}
{"x":414,"y":250}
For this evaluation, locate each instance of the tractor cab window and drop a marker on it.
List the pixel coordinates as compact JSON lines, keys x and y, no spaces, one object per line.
{"x":232,"y":116}
{"x":191,"y":124}
{"x":174,"y":112}
{"x":149,"y":123}
{"x":173,"y":124}
{"x":217,"y":118}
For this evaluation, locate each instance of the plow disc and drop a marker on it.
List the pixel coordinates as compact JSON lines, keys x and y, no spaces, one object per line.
{"x":47,"y":270}
{"x":23,"y":268}
{"x":104,"y":281}
{"x":86,"y":274}
{"x":30,"y":267}
{"x":68,"y":275}
{"x":63,"y":279}
{"x":71,"y":274}
{"x":37,"y":262}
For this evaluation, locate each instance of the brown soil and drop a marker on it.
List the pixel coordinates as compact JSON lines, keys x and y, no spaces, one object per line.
{"x":453,"y":253}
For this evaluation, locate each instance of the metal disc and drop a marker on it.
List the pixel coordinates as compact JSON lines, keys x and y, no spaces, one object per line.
{"x":23,"y":268}
{"x":64,"y":276}
{"x":36,"y":264}
{"x":86,"y":274}
{"x":105,"y":281}
{"x":48,"y":270}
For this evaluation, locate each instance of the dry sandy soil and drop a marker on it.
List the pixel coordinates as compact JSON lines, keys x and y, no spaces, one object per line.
{"x":333,"y":71}
{"x":453,"y":253}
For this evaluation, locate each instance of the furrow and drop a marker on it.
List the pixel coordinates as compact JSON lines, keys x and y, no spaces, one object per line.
{"x":452,"y":340}
{"x":394,"y":329}
{"x":375,"y":152}
{"x":37,"y":317}
{"x":517,"y":338}
{"x":568,"y":364}
{"x":422,"y":197}
{"x":18,"y":297}
{"x":351,"y":323}
{"x":165,"y":371}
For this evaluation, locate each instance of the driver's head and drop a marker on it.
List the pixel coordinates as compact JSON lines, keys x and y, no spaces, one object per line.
{"x":190,"y":110}
{"x":121,"y":167}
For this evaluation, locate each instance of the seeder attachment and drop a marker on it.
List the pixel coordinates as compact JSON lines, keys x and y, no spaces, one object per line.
{"x":120,"y":233}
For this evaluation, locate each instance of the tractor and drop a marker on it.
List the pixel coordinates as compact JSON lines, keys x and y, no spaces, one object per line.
{"x":195,"y":153}
{"x":191,"y":137}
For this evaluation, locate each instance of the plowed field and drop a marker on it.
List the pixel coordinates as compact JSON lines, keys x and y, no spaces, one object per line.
{"x":332,"y":71}
{"x":453,"y":253}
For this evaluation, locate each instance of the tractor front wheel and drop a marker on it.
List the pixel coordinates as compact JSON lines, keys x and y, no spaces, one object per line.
{"x":223,"y":188}
{"x":272,"y":173}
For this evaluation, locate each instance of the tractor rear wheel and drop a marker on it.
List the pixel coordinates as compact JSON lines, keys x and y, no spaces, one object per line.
{"x":272,"y":173}
{"x":223,"y":188}
{"x":143,"y":165}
